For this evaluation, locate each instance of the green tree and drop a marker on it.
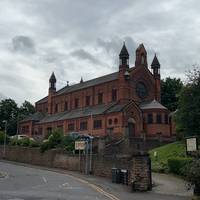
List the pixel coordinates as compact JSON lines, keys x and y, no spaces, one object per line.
{"x":8,"y":112}
{"x":170,"y":89}
{"x":26,"y":109}
{"x":188,"y":115}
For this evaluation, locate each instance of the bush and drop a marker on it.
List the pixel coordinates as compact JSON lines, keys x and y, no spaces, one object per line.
{"x":15,"y":141}
{"x":34,"y":143}
{"x":25,"y":142}
{"x":54,"y":140}
{"x":44,"y":146}
{"x":192,"y":175}
{"x":2,"y":136}
{"x":58,"y":140}
{"x":176,"y":165}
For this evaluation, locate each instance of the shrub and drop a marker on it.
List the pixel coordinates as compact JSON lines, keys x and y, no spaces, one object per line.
{"x":2,"y":136}
{"x":192,"y":175}
{"x":176,"y":165}
{"x":44,"y":146}
{"x":14,"y":141}
{"x":25,"y":142}
{"x":34,"y":143}
{"x":54,"y":140}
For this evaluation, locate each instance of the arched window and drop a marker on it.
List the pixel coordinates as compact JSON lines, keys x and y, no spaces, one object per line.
{"x":110,"y":121}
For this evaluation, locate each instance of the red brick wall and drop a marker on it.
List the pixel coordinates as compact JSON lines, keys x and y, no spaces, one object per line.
{"x":155,"y":128}
{"x":26,"y":128}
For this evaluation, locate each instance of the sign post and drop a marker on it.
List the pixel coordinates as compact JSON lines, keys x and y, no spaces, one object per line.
{"x":80,"y":145}
{"x":191,"y":144}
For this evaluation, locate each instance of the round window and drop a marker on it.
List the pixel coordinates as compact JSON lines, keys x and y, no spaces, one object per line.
{"x":141,"y":90}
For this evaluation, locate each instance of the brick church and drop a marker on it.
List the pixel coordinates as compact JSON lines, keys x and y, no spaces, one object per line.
{"x":120,"y":104}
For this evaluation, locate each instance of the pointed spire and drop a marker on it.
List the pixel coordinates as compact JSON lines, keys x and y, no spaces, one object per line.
{"x":52,"y":78}
{"x":81,"y":81}
{"x":141,"y":56}
{"x":141,"y":47}
{"x":52,"y":82}
{"x":155,"y":63}
{"x":124,"y":52}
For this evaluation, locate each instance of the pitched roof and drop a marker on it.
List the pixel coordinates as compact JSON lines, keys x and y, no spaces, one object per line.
{"x":82,"y":85}
{"x":84,"y":112}
{"x":124,"y":52}
{"x":141,"y":46}
{"x":155,"y":63}
{"x":152,"y":105}
{"x":34,"y":117}
{"x":85,"y":84}
{"x":52,"y":78}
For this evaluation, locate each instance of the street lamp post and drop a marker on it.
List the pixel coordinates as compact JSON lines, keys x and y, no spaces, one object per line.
{"x":4,"y":144}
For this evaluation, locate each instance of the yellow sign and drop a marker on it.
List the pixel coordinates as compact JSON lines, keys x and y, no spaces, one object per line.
{"x":79,"y":145}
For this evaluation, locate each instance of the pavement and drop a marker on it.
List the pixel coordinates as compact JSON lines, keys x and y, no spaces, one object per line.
{"x":26,"y":182}
{"x":169,"y":184}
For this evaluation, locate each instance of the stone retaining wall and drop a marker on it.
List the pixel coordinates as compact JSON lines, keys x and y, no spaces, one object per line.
{"x":137,"y":165}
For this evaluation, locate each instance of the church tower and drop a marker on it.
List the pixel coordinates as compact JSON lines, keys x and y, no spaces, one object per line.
{"x":124,"y":74}
{"x":141,"y":56}
{"x":155,"y":66}
{"x":123,"y":58}
{"x":52,"y":91}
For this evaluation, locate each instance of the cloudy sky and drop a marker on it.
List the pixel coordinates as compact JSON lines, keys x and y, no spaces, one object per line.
{"x":77,"y":38}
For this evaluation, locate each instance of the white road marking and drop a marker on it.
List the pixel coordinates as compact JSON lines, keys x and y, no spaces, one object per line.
{"x":44,"y":179}
{"x":65,"y":184}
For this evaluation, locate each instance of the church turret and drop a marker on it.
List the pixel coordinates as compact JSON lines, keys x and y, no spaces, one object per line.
{"x":52,"y":91}
{"x":124,"y":58}
{"x":155,"y":66}
{"x":81,"y":81}
{"x":52,"y":82}
{"x":124,"y":74}
{"x":141,"y":56}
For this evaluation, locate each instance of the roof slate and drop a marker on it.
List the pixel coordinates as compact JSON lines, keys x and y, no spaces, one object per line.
{"x":155,"y":63}
{"x":85,"y":84}
{"x":96,"y":81}
{"x":34,"y":117}
{"x":152,"y":105}
{"x":84,"y":112}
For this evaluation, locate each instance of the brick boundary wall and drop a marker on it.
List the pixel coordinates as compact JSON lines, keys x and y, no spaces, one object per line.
{"x":138,"y":165}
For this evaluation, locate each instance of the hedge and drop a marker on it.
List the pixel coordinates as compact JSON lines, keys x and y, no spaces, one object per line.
{"x":177,"y":164}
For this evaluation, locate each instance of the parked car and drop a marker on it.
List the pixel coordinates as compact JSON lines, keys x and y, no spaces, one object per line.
{"x":19,"y":137}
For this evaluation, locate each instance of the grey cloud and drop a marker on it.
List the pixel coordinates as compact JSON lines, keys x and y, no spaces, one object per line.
{"x":23,"y":44}
{"x":2,"y":96}
{"x":114,"y":46}
{"x":84,"y":55}
{"x":90,"y":34}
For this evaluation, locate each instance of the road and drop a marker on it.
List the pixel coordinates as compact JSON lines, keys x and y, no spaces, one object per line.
{"x":33,"y":183}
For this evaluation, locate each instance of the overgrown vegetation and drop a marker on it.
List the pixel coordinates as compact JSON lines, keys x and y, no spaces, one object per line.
{"x":170,"y":92}
{"x":188,"y":114}
{"x":55,"y":140}
{"x":2,"y":138}
{"x":58,"y":140}
{"x":192,"y":175}
{"x":12,"y":113}
{"x":174,"y":150}
{"x":177,"y":165}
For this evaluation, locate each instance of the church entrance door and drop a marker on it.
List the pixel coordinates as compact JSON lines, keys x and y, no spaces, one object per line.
{"x":131,"y":128}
